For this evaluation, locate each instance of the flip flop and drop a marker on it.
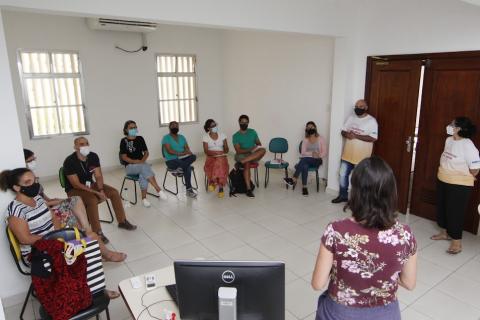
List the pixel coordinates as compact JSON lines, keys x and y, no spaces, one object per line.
{"x":454,"y":252}
{"x":437,"y":237}
{"x":122,"y":258}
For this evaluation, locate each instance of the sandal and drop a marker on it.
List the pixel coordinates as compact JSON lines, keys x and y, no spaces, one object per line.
{"x":115,"y":256}
{"x":454,"y":251}
{"x":112,"y":294}
{"x":440,"y":237}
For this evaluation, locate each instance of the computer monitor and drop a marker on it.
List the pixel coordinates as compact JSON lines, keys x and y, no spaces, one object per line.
{"x":260,"y":288}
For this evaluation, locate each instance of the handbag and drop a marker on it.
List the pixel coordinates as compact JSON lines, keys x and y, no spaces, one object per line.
{"x":61,"y":288}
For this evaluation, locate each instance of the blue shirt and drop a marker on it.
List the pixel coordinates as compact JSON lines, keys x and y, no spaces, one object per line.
{"x":177,"y":146}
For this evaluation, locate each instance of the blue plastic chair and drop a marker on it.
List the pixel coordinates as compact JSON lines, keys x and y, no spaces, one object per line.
{"x":134,"y":178}
{"x":311,"y":168}
{"x":277,"y":146}
{"x":176,"y":177}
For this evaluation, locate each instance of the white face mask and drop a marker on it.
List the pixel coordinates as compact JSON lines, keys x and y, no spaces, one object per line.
{"x":214,"y":129}
{"x":84,"y":151}
{"x":450,"y":130}
{"x":32,"y":165}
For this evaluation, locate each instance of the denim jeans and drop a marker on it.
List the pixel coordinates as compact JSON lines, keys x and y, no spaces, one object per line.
{"x":345,"y":170}
{"x":185,"y":164}
{"x":303,"y":165}
{"x":143,"y":170}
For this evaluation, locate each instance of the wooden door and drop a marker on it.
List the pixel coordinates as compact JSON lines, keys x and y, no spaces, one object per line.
{"x":393,"y":98}
{"x":451,"y":88}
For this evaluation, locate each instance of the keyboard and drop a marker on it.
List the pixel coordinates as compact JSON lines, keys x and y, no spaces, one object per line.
{"x":172,"y":291}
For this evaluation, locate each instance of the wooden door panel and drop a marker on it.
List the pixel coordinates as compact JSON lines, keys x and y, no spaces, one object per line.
{"x":451,"y":89}
{"x":392,"y":101}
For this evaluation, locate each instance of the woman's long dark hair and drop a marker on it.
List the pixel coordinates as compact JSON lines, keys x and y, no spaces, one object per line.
{"x":10,"y":178}
{"x":373,"y":198}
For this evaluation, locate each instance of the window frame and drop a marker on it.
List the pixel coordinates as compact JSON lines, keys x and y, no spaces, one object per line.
{"x":52,"y":76}
{"x":176,"y":74}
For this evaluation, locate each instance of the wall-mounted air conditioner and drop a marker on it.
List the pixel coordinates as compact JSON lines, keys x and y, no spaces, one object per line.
{"x":121,"y":25}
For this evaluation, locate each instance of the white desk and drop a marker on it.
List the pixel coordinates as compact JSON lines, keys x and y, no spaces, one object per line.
{"x":133,"y":297}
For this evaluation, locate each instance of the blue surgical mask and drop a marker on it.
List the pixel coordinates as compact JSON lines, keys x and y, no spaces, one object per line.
{"x":132,"y":132}
{"x":214,"y":129}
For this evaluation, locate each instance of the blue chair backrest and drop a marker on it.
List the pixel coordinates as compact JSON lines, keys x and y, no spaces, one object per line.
{"x":278,"y":145}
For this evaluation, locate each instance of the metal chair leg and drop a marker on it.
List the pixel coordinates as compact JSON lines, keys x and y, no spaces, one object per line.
{"x":121,"y":188}
{"x":111,"y":214}
{"x":30,"y":290}
{"x":318,"y":181}
{"x":176,"y":184}
{"x":195,"y":178}
{"x":257,"y":182}
{"x":267,"y":178}
{"x":108,"y":313}
{"x":286,"y":176}
{"x":206,"y":183}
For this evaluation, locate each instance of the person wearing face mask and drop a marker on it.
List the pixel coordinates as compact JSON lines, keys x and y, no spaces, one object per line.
{"x":459,"y":166}
{"x":360,"y":132}
{"x":29,"y":217}
{"x":133,"y":155}
{"x":215,"y":147}
{"x":84,"y":178}
{"x":313,"y":150}
{"x":248,"y":149}
{"x":178,"y":156}
{"x":62,"y":208}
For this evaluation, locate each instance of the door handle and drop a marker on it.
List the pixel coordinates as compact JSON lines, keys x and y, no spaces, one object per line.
{"x":409,"y":143}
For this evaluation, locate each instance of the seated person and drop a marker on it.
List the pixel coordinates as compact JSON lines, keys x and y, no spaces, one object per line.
{"x":364,"y":258}
{"x":178,"y":155}
{"x":247,"y":147}
{"x":134,"y":154}
{"x":84,"y":178}
{"x":215,"y":147}
{"x":61,"y":207}
{"x":313,"y":150}
{"x":29,"y":217}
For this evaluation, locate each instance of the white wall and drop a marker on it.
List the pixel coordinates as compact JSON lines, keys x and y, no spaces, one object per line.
{"x":325,"y":17}
{"x":118,"y":86}
{"x":11,"y":156}
{"x":280,"y":81}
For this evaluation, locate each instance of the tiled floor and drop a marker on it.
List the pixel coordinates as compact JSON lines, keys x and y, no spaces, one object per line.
{"x":282,"y":225}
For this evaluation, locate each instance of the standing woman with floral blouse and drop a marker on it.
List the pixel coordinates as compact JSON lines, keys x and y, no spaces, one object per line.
{"x":364,"y":259}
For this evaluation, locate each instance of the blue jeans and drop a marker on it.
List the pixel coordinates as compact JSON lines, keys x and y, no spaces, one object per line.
{"x":345,"y":170}
{"x":143,"y":170}
{"x":185,"y":164}
{"x":303,"y":165}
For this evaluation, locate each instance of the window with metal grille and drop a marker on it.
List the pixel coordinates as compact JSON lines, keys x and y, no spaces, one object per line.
{"x":177,"y":88}
{"x":53,"y":92}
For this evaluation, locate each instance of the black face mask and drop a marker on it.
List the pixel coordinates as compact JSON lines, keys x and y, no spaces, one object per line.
{"x":31,"y":191}
{"x":360,"y":111}
{"x":243,"y":126}
{"x":310,"y":131}
{"x":174,"y":130}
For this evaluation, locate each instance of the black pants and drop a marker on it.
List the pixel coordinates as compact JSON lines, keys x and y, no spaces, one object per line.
{"x":452,"y":202}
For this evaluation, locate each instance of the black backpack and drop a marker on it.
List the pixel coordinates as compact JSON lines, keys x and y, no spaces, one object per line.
{"x":237,"y":183}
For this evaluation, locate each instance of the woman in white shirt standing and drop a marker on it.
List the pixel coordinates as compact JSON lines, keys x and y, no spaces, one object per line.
{"x":459,"y":165}
{"x":215,"y":147}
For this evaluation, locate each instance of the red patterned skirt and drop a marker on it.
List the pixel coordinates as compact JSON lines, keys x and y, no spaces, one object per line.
{"x":216,"y":170}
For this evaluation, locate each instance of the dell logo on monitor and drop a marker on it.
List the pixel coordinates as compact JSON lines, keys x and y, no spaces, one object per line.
{"x":228,"y":276}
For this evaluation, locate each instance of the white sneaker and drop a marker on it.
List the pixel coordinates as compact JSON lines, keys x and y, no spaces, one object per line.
{"x":162,"y":195}
{"x":146,"y":203}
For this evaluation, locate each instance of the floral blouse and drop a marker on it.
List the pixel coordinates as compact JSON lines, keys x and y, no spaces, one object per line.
{"x":366,"y":262}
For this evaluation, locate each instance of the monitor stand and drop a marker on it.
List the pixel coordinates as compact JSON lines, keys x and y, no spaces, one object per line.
{"x":227,"y":303}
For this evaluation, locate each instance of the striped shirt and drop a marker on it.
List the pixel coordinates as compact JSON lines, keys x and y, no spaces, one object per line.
{"x":39,"y":218}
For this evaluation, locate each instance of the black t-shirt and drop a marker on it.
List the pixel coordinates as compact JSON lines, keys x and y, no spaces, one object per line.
{"x":134,"y":149}
{"x":83,"y":169}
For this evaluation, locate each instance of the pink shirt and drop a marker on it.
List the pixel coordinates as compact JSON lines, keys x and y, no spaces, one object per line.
{"x":366,"y":262}
{"x":308,"y":148}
